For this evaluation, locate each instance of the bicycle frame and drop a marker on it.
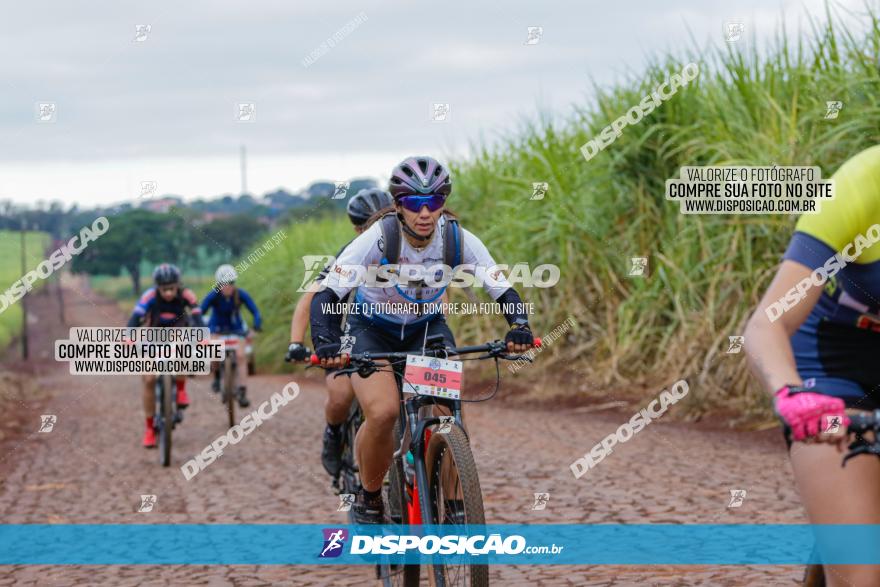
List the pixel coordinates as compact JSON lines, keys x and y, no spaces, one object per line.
{"x":415,"y":437}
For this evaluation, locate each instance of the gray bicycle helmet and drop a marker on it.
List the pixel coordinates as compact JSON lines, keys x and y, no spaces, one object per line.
{"x":166,"y":274}
{"x":365,"y":203}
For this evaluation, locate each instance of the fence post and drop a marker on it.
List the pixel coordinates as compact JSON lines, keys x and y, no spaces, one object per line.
{"x":24,"y":325}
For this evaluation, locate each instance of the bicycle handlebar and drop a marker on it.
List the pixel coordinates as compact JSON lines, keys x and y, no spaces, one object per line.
{"x":495,"y":348}
{"x":864,"y":422}
{"x":858,"y":424}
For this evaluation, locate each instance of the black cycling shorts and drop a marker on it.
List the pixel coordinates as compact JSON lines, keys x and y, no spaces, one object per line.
{"x":369,"y":337}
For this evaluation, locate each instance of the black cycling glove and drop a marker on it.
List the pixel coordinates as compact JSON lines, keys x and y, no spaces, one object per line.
{"x":520,"y":335}
{"x":327,"y":349}
{"x":296,"y":352}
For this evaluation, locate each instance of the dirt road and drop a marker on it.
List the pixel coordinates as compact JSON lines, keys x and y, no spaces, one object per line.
{"x":91,"y":469}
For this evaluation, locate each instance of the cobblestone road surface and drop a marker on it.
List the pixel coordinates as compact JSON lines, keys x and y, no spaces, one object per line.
{"x":91,"y":469}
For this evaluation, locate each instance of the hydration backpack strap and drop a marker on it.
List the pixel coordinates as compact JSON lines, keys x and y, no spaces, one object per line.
{"x":391,"y":237}
{"x":452,"y":240}
{"x":452,"y":243}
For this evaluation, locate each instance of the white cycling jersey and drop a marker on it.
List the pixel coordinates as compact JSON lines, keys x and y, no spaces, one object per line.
{"x":367,"y":250}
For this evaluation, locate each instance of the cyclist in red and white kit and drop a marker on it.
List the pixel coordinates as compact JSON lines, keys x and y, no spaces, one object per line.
{"x":169,"y":305}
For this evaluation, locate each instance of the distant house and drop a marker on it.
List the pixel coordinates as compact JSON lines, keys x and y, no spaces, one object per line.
{"x":162,"y":205}
{"x":212,"y":216}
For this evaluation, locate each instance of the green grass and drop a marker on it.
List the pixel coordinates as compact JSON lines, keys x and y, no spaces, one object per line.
{"x":274,"y":278}
{"x":10,"y":272}
{"x":706,"y":273}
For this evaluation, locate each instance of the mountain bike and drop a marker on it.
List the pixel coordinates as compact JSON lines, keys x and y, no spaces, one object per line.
{"x":229,"y":373}
{"x":859,"y":425}
{"x":441,"y":486}
{"x":166,"y":416}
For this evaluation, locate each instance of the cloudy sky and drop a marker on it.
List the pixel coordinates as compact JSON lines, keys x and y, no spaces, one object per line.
{"x":165,"y":108}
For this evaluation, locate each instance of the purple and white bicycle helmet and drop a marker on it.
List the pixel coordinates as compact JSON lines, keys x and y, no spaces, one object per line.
{"x":421,"y":175}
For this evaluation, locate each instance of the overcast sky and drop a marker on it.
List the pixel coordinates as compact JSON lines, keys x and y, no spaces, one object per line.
{"x":165,"y":108}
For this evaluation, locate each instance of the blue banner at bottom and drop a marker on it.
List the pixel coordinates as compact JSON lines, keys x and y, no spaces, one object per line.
{"x":562,"y":544}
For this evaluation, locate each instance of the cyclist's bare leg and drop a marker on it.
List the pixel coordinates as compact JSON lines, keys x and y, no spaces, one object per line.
{"x":374,"y":447}
{"x":836,"y":495}
{"x":149,"y":400}
{"x":339,"y":396}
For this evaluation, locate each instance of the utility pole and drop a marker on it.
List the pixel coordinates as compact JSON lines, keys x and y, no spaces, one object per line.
{"x":60,"y":292}
{"x":60,"y":300}
{"x":24,"y":324}
{"x":243,"y":171}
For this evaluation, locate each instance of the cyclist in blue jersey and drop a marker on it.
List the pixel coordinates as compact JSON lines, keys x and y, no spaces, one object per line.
{"x":224,"y":303}
{"x":813,"y":341}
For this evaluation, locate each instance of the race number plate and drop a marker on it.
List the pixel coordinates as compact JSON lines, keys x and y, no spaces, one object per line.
{"x":432,"y":376}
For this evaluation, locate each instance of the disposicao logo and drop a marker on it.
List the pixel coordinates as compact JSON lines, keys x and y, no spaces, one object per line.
{"x":334,"y":540}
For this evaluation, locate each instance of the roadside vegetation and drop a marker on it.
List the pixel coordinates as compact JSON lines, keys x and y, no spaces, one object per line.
{"x":10,"y":271}
{"x":704,"y":273}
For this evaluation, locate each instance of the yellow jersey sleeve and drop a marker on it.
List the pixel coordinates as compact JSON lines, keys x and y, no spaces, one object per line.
{"x":854,"y":208}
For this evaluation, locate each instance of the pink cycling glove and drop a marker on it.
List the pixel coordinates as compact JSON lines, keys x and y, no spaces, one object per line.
{"x":805,"y":412}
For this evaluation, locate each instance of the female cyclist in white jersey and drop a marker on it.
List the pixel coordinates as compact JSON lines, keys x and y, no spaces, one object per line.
{"x":399,"y":317}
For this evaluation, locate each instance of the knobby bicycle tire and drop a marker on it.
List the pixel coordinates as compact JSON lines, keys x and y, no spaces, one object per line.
{"x":229,"y":385}
{"x":453,"y":448}
{"x":165,"y":384}
{"x":351,"y":481}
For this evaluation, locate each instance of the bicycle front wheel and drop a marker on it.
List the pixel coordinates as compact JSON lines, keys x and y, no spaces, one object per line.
{"x":455,"y":499}
{"x":166,"y":405}
{"x":229,"y":385}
